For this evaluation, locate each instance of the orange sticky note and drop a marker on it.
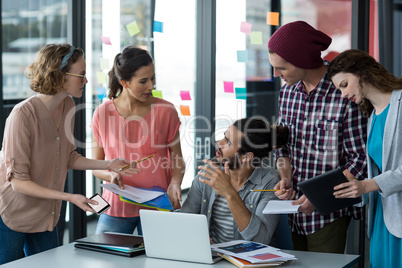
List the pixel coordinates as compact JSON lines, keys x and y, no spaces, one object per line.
{"x":273,"y":18}
{"x":185,"y":110}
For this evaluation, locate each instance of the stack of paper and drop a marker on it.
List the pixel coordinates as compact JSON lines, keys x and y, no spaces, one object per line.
{"x":153,"y":198}
{"x":136,"y":194}
{"x":251,"y":254}
{"x":243,"y":263}
{"x":280,"y":207}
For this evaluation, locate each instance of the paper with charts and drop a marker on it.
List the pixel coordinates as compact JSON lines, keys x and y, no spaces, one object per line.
{"x":280,"y":207}
{"x":251,"y":251}
{"x":133,"y":193}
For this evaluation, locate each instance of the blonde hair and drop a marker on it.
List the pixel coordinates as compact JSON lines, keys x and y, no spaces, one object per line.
{"x":45,"y":74}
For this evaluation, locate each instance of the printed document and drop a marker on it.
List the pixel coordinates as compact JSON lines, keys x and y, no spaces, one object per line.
{"x":252,"y":251}
{"x":136,"y":194}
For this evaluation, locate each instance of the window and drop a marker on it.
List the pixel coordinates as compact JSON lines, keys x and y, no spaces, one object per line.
{"x":107,"y":35}
{"x":175,"y":68}
{"x":26,"y":29}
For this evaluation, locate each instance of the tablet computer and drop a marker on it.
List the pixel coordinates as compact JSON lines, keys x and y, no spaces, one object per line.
{"x":319,"y":191}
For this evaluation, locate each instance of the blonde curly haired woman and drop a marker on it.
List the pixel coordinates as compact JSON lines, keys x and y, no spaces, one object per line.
{"x":38,"y":151}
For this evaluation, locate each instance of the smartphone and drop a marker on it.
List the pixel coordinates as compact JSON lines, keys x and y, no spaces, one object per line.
{"x":102,"y":205}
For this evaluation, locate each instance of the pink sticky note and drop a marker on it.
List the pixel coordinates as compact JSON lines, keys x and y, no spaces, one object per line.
{"x":106,"y":40}
{"x":185,"y":95}
{"x":228,"y":87}
{"x":245,"y":27}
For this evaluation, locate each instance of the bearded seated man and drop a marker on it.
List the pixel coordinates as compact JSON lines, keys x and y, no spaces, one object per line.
{"x":222,"y":190}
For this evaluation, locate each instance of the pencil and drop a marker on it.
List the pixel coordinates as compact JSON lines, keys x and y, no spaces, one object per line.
{"x":138,"y":161}
{"x":264,"y":190}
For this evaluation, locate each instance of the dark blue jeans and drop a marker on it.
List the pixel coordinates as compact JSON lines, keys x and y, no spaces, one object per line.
{"x":15,"y":245}
{"x":124,"y":225}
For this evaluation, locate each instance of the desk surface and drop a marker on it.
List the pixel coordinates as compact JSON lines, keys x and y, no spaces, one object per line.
{"x":68,"y":256}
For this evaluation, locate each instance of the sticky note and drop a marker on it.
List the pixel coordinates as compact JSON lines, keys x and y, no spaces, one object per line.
{"x":242,"y":56}
{"x":157,"y":94}
{"x":101,"y":92}
{"x":241,"y":93}
{"x":273,"y":18}
{"x":158,"y":26}
{"x":245,"y":27}
{"x":185,"y":95}
{"x":132,"y":28}
{"x":185,"y":109}
{"x":101,"y":76}
{"x":106,"y":40}
{"x":256,"y":38}
{"x":228,"y":87}
{"x":104,"y":64}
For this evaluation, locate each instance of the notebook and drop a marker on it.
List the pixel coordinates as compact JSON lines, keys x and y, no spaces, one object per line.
{"x":319,"y":191}
{"x":113,"y":243}
{"x":177,"y":236}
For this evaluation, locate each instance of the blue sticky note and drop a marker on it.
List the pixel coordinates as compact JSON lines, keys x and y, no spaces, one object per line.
{"x":101,"y":92}
{"x":241,"y":93}
{"x":158,"y":26}
{"x":242,"y":56}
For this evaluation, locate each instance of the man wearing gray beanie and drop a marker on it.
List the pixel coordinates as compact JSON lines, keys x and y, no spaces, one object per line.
{"x":326,"y":132}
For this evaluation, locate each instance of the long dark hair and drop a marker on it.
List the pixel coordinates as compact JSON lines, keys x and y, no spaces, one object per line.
{"x":369,"y":71}
{"x":260,"y":137}
{"x":124,"y":67}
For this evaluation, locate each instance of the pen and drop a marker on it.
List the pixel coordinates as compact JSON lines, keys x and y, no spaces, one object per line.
{"x":138,"y":161}
{"x":267,"y":190}
{"x":264,"y":190}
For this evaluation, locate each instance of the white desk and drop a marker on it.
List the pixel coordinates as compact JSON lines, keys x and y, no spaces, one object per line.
{"x":68,"y":256}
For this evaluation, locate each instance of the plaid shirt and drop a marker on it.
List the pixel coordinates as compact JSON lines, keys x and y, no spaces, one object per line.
{"x":326,"y":132}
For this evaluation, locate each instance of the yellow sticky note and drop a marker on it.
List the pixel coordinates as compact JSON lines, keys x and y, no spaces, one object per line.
{"x":256,"y":38}
{"x":133,"y":28}
{"x":101,"y":76}
{"x":104,"y":64}
{"x":157,"y":94}
{"x":273,"y":18}
{"x":185,"y":109}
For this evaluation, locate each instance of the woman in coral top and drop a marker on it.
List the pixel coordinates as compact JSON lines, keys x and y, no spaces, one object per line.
{"x":134,"y":124}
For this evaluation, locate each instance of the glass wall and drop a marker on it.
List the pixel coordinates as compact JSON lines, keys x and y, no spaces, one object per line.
{"x":333,"y":17}
{"x":175,"y":68}
{"x":113,"y":25}
{"x":26,"y":27}
{"x":110,"y":27}
{"x":244,"y":85}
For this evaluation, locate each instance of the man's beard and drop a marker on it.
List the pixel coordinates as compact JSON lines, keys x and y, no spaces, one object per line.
{"x":234,"y":162}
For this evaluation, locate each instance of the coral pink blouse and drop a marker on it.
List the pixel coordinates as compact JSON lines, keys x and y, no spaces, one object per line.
{"x":135,"y":139}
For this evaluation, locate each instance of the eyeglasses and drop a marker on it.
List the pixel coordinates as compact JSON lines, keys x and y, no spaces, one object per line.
{"x":83,"y":77}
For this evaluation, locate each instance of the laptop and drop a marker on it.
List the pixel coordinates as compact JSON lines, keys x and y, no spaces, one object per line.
{"x":177,"y":236}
